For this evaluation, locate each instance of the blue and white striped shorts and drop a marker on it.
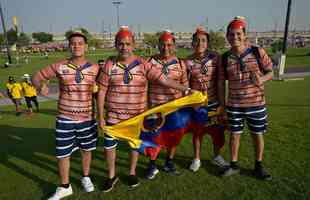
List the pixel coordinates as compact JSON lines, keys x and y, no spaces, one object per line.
{"x":256,"y":118}
{"x":73,"y":135}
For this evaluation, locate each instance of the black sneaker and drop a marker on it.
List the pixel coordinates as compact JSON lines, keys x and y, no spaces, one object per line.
{"x":170,"y":168}
{"x":151,"y":172}
{"x":109,"y":184}
{"x":262,"y":174}
{"x":228,"y":171}
{"x":133,"y":181}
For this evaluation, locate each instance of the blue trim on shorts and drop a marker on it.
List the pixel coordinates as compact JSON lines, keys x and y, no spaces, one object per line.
{"x":72,"y":135}
{"x":255,"y":117}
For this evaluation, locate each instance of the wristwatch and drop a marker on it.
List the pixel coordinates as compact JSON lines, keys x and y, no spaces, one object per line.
{"x":187,"y":91}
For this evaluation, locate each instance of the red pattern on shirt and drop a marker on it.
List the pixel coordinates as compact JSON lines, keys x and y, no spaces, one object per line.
{"x":242,"y":92}
{"x":75,"y":99}
{"x":204,"y":82}
{"x":159,"y":94}
{"x":124,"y":101}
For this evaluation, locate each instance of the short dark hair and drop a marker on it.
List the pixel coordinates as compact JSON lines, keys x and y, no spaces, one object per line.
{"x":194,"y":36}
{"x":77,"y":34}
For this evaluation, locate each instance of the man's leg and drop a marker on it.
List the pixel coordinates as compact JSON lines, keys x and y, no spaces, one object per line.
{"x":195,"y":165}
{"x":169,"y":166}
{"x":258,"y":141}
{"x":234,"y":146}
{"x":259,"y":171}
{"x":65,"y":188}
{"x":87,"y":184}
{"x":133,"y":162}
{"x":86,"y":161}
{"x":257,"y":123}
{"x":133,"y":179}
{"x":218,"y":139}
{"x":64,"y":168}
{"x":110,"y":155}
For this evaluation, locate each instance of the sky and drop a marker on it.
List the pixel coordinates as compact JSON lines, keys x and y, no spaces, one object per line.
{"x":58,"y":16}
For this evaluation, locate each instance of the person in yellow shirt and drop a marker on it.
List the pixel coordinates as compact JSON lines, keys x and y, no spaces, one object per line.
{"x":30,"y":93}
{"x":14,"y":91}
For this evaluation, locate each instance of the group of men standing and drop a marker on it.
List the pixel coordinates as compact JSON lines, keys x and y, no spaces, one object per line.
{"x":129,"y":85}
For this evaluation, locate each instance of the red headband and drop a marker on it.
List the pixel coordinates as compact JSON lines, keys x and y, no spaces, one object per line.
{"x":201,"y":30}
{"x":123,"y":32}
{"x":237,"y":24}
{"x":166,"y":35}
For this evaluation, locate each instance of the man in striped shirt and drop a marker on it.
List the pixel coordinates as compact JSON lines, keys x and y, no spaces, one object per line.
{"x":123,"y":84}
{"x":175,"y":69}
{"x":75,"y":126}
{"x":246,"y":73}
{"x":202,"y":68}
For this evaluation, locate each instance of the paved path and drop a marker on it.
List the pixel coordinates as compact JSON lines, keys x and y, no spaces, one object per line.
{"x":53,"y":95}
{"x":292,"y":72}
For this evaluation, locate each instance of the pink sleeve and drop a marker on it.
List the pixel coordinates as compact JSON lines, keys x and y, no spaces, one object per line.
{"x":46,"y":73}
{"x":265,"y":60}
{"x":184,"y":78}
{"x":103,"y":76}
{"x":152,"y":73}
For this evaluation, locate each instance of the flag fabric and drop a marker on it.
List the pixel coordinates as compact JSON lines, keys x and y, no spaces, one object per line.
{"x":161,"y":126}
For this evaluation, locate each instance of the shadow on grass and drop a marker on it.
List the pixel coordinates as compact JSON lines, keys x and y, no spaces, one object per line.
{"x":30,"y":153}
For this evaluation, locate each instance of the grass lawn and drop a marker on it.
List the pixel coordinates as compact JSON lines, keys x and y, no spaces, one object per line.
{"x":28,"y":168}
{"x":295,"y":58}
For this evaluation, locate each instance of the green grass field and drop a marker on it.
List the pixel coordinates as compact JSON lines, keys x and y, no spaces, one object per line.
{"x":28,"y":168}
{"x":295,"y":58}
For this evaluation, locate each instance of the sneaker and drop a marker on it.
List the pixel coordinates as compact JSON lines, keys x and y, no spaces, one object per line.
{"x":195,"y":165}
{"x":61,"y":192}
{"x":228,"y":171}
{"x":87,"y":185}
{"x":220,"y":161}
{"x":170,"y":168}
{"x":109,"y":184}
{"x":133,"y":181}
{"x":151,"y":172}
{"x":261,"y":173}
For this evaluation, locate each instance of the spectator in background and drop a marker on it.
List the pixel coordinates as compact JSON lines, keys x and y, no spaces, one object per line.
{"x":14,"y":92}
{"x":30,"y":93}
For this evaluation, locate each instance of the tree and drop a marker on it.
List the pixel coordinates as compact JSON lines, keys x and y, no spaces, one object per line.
{"x":1,"y":39}
{"x":217,"y":41}
{"x":43,"y":37}
{"x":12,"y":36}
{"x":276,"y":46}
{"x":23,"y":40}
{"x":151,"y":39}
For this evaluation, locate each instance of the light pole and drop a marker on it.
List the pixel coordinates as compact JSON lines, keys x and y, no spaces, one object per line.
{"x":287,"y":23}
{"x":5,"y":36}
{"x":117,"y":4}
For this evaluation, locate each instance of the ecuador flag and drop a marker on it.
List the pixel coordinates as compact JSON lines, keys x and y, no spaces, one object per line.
{"x":161,"y":126}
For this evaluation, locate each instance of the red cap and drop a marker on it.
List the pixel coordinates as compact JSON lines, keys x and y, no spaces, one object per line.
{"x":201,"y":30}
{"x":166,"y":35}
{"x":237,"y":23}
{"x":123,"y":32}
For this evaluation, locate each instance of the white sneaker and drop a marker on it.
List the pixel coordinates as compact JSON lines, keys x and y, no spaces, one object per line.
{"x":87,"y":185}
{"x":195,"y":165}
{"x":61,"y":192}
{"x":220,"y":161}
